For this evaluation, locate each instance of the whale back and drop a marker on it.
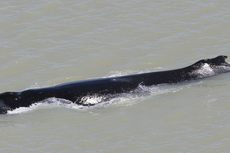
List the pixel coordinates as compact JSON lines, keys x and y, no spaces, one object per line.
{"x":76,"y":91}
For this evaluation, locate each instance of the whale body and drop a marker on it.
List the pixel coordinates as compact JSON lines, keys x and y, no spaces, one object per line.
{"x":108,"y":87}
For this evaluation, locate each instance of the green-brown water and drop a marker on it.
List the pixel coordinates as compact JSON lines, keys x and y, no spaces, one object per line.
{"x":44,"y":43}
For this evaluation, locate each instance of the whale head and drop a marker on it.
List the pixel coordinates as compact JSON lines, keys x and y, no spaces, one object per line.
{"x":3,"y":107}
{"x":7,"y":100}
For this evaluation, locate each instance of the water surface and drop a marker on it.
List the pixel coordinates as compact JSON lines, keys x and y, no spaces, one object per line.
{"x":44,"y":43}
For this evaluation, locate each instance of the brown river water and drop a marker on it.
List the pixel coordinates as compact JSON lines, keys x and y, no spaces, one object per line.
{"x":45,"y":43}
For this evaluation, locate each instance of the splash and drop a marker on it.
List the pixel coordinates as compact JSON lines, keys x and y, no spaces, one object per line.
{"x":206,"y":70}
{"x":48,"y":103}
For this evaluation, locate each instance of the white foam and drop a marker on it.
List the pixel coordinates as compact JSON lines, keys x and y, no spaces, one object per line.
{"x":205,"y":71}
{"x":92,"y":99}
{"x":48,"y":103}
{"x":24,"y":109}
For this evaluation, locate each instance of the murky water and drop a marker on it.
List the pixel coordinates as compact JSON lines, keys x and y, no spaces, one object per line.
{"x":44,"y":43}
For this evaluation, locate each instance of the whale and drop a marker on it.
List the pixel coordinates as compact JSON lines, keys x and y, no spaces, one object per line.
{"x":76,"y":92}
